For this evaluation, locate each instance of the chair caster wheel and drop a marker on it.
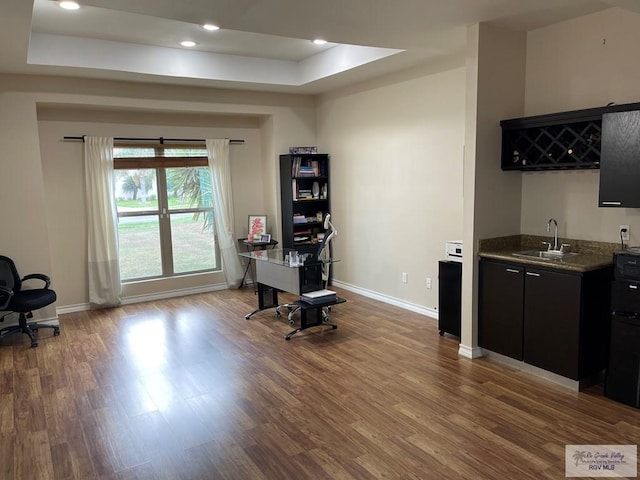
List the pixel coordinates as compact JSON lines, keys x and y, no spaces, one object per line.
{"x":34,"y":344}
{"x":441,"y":332}
{"x":278,"y":314}
{"x":291,"y":322}
{"x":247,"y":317}
{"x":56,"y":332}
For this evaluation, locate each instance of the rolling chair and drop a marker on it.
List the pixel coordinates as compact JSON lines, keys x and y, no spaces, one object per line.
{"x":15,"y":300}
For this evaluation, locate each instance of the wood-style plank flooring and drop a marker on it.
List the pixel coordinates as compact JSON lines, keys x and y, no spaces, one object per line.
{"x":186,"y":388}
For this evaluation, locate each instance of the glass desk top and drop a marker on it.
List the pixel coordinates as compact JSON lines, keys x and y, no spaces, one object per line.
{"x":281,"y":256}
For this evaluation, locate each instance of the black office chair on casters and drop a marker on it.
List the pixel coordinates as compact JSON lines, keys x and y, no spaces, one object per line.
{"x":13,"y":299}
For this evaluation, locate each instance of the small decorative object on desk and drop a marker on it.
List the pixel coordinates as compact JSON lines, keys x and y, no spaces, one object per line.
{"x":265,"y":238}
{"x":257,"y":227}
{"x":294,"y":150}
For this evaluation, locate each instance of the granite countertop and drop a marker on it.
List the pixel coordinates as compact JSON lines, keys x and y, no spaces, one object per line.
{"x":593,"y":255}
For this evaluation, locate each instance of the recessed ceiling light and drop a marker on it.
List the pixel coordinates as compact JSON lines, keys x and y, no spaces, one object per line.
{"x":210,"y":27}
{"x":68,"y":5}
{"x":188,"y":43}
{"x":319,"y":41}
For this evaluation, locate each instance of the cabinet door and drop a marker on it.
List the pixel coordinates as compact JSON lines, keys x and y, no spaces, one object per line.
{"x":500,"y":308}
{"x":552,"y":321}
{"x":620,"y":164}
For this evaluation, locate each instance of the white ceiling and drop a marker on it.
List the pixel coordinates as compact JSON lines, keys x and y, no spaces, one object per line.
{"x":262,"y":45}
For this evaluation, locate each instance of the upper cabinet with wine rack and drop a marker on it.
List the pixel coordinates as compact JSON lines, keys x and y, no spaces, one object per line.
{"x":559,"y":141}
{"x":304,"y":195}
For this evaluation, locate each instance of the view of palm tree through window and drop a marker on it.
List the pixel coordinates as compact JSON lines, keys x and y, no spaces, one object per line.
{"x":165,"y":215}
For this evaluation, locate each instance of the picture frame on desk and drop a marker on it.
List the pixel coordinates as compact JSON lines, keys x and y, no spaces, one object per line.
{"x":264,"y":238}
{"x":257,"y":227}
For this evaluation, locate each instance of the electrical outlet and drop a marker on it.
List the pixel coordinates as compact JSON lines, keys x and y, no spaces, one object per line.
{"x":405,"y":277}
{"x":428,"y":282}
{"x":624,"y":235}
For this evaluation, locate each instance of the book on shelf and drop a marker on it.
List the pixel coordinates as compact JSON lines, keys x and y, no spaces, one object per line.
{"x":306,"y":173}
{"x":299,"y":218}
{"x":300,"y":239}
{"x":305,"y":168}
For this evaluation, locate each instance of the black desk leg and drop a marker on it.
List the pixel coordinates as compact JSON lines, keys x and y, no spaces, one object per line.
{"x":244,"y":276}
{"x":267,"y":298}
{"x":317,"y":319}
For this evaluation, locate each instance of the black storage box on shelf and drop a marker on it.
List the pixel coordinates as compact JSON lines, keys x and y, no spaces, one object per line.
{"x":559,"y":141}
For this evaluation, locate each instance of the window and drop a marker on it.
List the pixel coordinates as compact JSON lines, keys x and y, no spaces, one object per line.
{"x":165,"y":213}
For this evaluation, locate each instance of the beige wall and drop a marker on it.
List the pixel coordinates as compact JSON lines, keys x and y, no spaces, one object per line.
{"x":495,"y":90}
{"x":63,"y":166}
{"x":22,"y":194}
{"x":396,"y":148}
{"x":586,"y":62}
{"x":39,"y":234}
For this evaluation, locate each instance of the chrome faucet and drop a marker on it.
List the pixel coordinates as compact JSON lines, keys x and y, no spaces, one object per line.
{"x":555,"y":233}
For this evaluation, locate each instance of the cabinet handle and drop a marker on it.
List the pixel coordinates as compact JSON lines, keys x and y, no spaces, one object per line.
{"x":531,"y":274}
{"x":611,"y":203}
{"x":633,"y":287}
{"x":512,"y":270}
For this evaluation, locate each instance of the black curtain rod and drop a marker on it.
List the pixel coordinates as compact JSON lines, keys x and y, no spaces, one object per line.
{"x":161,"y":140}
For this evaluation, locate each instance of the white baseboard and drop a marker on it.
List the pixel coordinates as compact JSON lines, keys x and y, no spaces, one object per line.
{"x":470,"y":352}
{"x":78,"y":307}
{"x":429,"y":312}
{"x":81,"y":307}
{"x":181,"y":292}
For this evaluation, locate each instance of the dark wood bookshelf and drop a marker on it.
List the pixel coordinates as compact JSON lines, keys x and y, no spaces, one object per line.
{"x":292,"y":186}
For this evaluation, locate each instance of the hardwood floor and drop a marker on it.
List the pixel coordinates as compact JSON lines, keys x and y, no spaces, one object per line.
{"x":187,"y":388}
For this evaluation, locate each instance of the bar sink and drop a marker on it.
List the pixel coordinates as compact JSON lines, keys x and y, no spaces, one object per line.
{"x":545,"y":254}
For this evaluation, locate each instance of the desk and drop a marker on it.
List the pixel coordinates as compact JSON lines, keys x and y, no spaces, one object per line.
{"x":250,"y":247}
{"x":274,"y":273}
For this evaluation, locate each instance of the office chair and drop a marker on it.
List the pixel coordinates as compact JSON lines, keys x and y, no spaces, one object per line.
{"x":15,"y":300}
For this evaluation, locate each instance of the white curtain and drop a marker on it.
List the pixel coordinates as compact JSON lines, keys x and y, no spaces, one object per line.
{"x":104,"y":269}
{"x":220,"y":167}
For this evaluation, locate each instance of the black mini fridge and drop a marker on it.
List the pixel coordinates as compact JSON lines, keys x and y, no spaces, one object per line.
{"x":449,"y":297}
{"x":622,"y":381}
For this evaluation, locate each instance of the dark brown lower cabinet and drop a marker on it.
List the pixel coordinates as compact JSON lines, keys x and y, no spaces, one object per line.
{"x":553,"y":319}
{"x":500,"y":315}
